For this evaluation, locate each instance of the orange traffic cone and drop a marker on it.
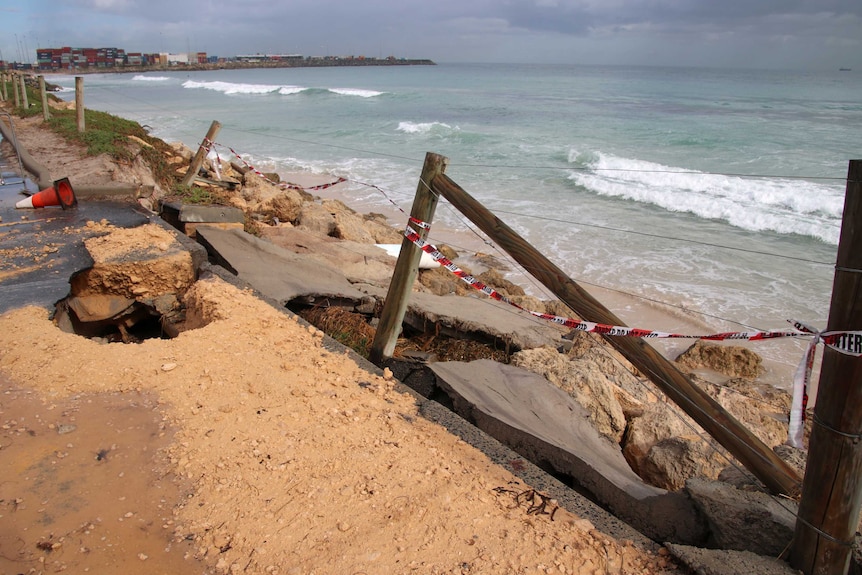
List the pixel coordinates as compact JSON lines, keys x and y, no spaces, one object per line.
{"x":61,"y":195}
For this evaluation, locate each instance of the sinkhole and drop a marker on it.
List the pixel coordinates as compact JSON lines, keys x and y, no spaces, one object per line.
{"x":111,"y":318}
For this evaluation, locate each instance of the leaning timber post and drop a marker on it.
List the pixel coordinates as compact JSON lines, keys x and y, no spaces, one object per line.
{"x":79,"y":103}
{"x":198,"y":160}
{"x":15,"y":89}
{"x":727,"y":430}
{"x":46,"y":113}
{"x":407,"y":266}
{"x":832,"y":492}
{"x":24,"y":103}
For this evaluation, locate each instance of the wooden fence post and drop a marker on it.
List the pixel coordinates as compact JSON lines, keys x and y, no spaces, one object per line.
{"x":15,"y":89}
{"x":79,"y":102}
{"x":3,"y":96}
{"x":198,"y":160}
{"x":407,"y":266}
{"x":727,"y":430}
{"x":24,"y":102}
{"x":46,"y":113}
{"x":832,"y":492}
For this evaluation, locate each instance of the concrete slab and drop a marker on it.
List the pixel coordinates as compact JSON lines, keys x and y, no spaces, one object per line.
{"x":42,"y":248}
{"x":359,"y":262}
{"x":276,"y":272}
{"x":313,"y":268}
{"x":202,"y":214}
{"x":460,"y":315}
{"x":544,"y":424}
{"x":722,"y":562}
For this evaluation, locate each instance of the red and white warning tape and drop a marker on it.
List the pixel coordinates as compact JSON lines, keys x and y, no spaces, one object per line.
{"x":848,"y":342}
{"x":210,"y":145}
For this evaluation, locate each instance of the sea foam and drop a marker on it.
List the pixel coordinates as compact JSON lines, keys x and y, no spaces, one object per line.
{"x":752,"y":203}
{"x":422,"y":127}
{"x":356,"y":92}
{"x":232,"y":88}
{"x":284,"y":90}
{"x":142,"y":78}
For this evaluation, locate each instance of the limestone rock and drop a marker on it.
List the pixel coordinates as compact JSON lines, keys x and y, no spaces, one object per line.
{"x":440,"y":281}
{"x":762,"y":409}
{"x":383,"y":233}
{"x":350,"y":226}
{"x":585,"y":381}
{"x":286,"y":206}
{"x":495,"y":279}
{"x":663,"y":447}
{"x":528,"y":302}
{"x":316,"y":218}
{"x":448,"y":251}
{"x":256,"y":188}
{"x":182,"y":151}
{"x":488,"y":261}
{"x":670,"y":462}
{"x":660,"y":421}
{"x":336,"y":206}
{"x":730,"y":360}
{"x":236,"y":201}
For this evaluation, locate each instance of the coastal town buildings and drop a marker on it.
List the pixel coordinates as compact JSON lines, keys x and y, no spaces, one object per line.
{"x":68,"y":58}
{"x":107,"y":59}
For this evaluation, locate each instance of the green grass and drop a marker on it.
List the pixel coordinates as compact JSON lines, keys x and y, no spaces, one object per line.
{"x":103,"y":133}
{"x":108,"y":134}
{"x":196,"y":195}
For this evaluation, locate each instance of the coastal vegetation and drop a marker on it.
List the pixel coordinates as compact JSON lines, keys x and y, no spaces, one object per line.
{"x":112,"y":135}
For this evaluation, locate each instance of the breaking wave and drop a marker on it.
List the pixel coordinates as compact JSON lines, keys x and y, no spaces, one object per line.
{"x":757,"y":204}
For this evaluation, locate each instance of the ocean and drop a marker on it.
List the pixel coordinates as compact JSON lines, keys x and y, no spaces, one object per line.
{"x":716,"y":194}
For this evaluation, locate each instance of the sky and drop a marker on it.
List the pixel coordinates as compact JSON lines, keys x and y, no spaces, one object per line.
{"x":768,"y":34}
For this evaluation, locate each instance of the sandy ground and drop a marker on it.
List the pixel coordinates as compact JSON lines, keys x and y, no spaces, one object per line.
{"x":244,"y":446}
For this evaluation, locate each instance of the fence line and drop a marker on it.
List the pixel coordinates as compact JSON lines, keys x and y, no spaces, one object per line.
{"x":747,"y":448}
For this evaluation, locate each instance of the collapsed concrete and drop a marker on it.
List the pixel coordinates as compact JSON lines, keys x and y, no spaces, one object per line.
{"x":319,"y":275}
{"x":546,"y":425}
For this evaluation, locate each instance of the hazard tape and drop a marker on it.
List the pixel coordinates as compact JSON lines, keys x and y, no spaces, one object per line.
{"x":587,"y":326}
{"x":290,"y":186}
{"x":210,"y":145}
{"x":847,"y":342}
{"x":419,"y":223}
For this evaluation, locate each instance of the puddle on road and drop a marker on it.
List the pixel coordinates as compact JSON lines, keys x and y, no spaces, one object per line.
{"x":84,"y":486}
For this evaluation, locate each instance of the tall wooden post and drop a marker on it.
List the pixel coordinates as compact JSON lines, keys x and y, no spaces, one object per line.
{"x":79,"y":103}
{"x":3,"y":87}
{"x":198,"y":160}
{"x":407,"y":266}
{"x":15,"y":89}
{"x":46,"y":113}
{"x":832,"y":489}
{"x":24,"y":102}
{"x":727,"y":430}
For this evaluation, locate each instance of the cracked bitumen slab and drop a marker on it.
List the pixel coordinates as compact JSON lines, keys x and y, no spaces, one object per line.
{"x":285,"y":275}
{"x":42,"y":248}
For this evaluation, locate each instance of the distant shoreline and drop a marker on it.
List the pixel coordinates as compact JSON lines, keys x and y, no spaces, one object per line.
{"x":305,"y":63}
